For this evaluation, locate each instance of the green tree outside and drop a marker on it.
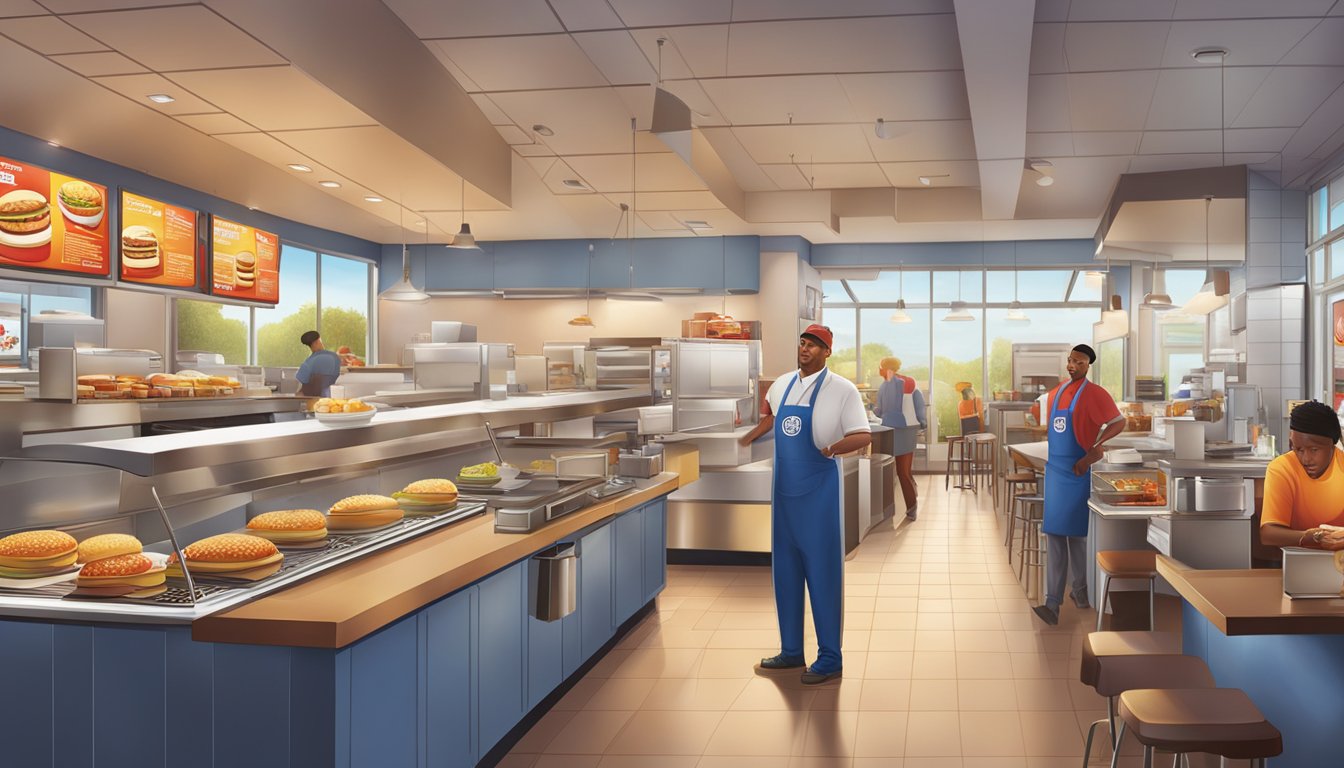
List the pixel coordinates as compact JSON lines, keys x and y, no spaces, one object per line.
{"x":201,"y":325}
{"x":342,"y":327}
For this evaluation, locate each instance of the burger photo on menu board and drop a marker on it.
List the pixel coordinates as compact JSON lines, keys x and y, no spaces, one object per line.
{"x":140,"y":252}
{"x":80,"y":202}
{"x":245,"y":269}
{"x":25,"y":221}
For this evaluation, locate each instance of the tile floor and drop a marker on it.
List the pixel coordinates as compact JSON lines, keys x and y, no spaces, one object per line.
{"x":945,"y":667}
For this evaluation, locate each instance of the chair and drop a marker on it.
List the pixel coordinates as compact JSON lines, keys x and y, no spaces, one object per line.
{"x":1219,"y":721}
{"x":1126,"y":564}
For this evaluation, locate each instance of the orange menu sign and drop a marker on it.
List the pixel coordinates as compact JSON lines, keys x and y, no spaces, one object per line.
{"x":158,"y":243}
{"x":245,"y":262}
{"x":52,"y":222}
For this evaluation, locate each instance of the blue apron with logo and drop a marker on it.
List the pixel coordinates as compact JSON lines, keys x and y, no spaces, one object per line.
{"x":805,"y":534}
{"x":1066,"y":493}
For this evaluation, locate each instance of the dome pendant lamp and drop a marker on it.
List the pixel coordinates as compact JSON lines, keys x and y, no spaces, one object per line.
{"x":586,"y":319}
{"x":900,"y":316}
{"x":1015,"y":313}
{"x":405,"y":290}
{"x":464,"y":240}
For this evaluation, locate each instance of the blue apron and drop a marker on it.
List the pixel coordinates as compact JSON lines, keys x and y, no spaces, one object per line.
{"x":1066,"y":494}
{"x":805,"y":534}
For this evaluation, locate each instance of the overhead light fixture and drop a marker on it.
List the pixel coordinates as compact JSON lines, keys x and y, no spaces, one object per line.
{"x":300,"y":167}
{"x":628,"y":214}
{"x":1015,"y":313}
{"x":1045,"y":171}
{"x":542,"y":130}
{"x":882,"y":130}
{"x":959,"y":313}
{"x":695,"y":225}
{"x":1217,"y":284}
{"x":329,"y":184}
{"x":372,"y":199}
{"x":1158,"y":299}
{"x":53,"y":143}
{"x":464,"y":240}
{"x":574,"y":184}
{"x":900,"y":316}
{"x":1211,"y":55}
{"x":586,"y":319}
{"x":928,"y":180}
{"x":160,"y":98}
{"x":1114,"y":323}
{"x":404,"y":290}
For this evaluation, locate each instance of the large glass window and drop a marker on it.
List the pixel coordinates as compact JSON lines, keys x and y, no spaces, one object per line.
{"x":20,"y":301}
{"x":845,"y":340}
{"x":958,"y":359}
{"x":207,"y":326}
{"x":1336,"y":200}
{"x":345,"y":305}
{"x":1053,"y":325}
{"x":279,"y":328}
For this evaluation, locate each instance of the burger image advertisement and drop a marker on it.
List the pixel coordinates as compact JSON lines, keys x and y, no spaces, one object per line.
{"x":80,"y":202}
{"x":25,"y":222}
{"x":244,"y":270}
{"x":140,"y":252}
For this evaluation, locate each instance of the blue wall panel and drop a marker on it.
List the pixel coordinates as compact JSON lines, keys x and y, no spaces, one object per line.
{"x":545,"y":658}
{"x":312,"y":707}
{"x":500,"y":653}
{"x":128,"y":700}
{"x":383,"y":696}
{"x":450,"y":731}
{"x":191,"y":691}
{"x":541,"y":264}
{"x":252,"y":689}
{"x":629,"y":571}
{"x":655,"y":548}
{"x":965,"y":254}
{"x":72,"y":689}
{"x":26,"y":665}
{"x":572,"y":648}
{"x":595,"y":589}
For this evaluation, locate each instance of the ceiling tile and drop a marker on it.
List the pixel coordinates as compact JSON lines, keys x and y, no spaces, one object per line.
{"x":1178,"y":142}
{"x":848,"y":176}
{"x":744,"y":169}
{"x":1185,"y":98}
{"x":492,"y":113}
{"x":958,"y":173}
{"x":586,"y":14}
{"x":787,"y":176}
{"x":923,"y":140}
{"x":655,"y":172}
{"x":898,"y":96}
{"x":219,"y":122}
{"x":771,"y":100}
{"x":884,"y":44}
{"x":533,"y":62}
{"x":668,"y":201}
{"x":1047,"y":48}
{"x":1052,"y":10}
{"x":1320,"y":47}
{"x":534,"y":150}
{"x":273,"y":98}
{"x":20,"y":8}
{"x":1288,"y":96}
{"x":586,"y":121}
{"x":267,"y":148}
{"x":78,"y":6}
{"x":1115,"y":45}
{"x":436,"y":47}
{"x":100,"y":63}
{"x":1249,"y":9}
{"x":1258,"y":139}
{"x":137,"y":87}
{"x":659,"y":13}
{"x":617,"y":56}
{"x":1050,"y":144}
{"x":704,"y":111}
{"x":435,"y":18}
{"x":1318,"y":128}
{"x":1103,"y":143}
{"x":514,"y":135}
{"x":1109,"y":101}
{"x":181,"y":37}
{"x":1249,"y":42}
{"x":1151,"y":163}
{"x":557,"y":173}
{"x":1109,"y":10}
{"x":806,"y":143}
{"x":1082,"y":187}
{"x":1048,"y":103}
{"x":48,"y":35}
{"x":689,"y":51}
{"x":769,"y":10}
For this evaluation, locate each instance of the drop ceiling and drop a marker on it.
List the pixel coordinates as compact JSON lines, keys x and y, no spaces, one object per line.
{"x":418,"y":101}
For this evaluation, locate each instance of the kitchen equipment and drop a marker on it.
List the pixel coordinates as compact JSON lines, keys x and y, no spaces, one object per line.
{"x":1219,"y":494}
{"x":1189,"y":439}
{"x":448,"y":331}
{"x":1037,"y":368}
{"x":581,"y":464}
{"x":60,"y":328}
{"x":1310,"y":573}
{"x":546,"y":499}
{"x":646,"y":462}
{"x":553,"y":581}
{"x":58,"y":368}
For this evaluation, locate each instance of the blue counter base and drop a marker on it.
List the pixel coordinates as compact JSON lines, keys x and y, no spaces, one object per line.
{"x":440,"y":687}
{"x":1297,"y":681}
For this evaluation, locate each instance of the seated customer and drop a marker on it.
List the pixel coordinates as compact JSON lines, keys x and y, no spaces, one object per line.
{"x":1304,"y":488}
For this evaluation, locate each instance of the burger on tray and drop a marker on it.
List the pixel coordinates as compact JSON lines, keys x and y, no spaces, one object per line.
{"x":35,"y":554}
{"x":363,"y":512}
{"x":231,"y":555}
{"x":289,"y":526}
{"x":427,"y":497}
{"x":116,"y":566}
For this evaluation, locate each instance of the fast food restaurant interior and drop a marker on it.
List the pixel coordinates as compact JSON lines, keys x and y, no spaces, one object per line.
{"x":611,"y":383}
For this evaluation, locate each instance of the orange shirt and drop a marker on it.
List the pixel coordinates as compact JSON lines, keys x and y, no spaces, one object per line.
{"x":1095,"y":410}
{"x":1295,"y":500}
{"x":968,"y":408}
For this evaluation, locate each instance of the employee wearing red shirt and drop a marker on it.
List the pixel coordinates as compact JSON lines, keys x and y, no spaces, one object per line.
{"x":1079,"y":418}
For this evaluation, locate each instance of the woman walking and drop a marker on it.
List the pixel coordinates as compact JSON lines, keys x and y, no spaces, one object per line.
{"x":900,"y":405}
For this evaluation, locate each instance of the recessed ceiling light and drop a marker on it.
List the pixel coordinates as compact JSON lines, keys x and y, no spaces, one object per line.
{"x":928,"y":179}
{"x":1213,"y":55}
{"x":300,"y":167}
{"x":252,"y":208}
{"x":372,"y":199}
{"x":53,"y":143}
{"x":697,"y":224}
{"x":925,"y":180}
{"x":160,"y":98}
{"x":329,"y":184}
{"x":542,"y":130}
{"x":574,"y":184}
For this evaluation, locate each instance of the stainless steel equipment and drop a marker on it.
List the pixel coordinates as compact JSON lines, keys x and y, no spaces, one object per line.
{"x":1209,"y":494}
{"x":1311,"y":573}
{"x":547,"y":498}
{"x":465,"y":367}
{"x":644,"y":462}
{"x":59,"y":328}
{"x":448,"y":331}
{"x":60,"y":367}
{"x":553,"y":582}
{"x":1038,"y":367}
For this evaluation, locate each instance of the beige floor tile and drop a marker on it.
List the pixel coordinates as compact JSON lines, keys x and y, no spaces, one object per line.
{"x":934,"y":665}
{"x":1038,"y":695}
{"x":933,"y":695}
{"x":854,"y":589}
{"x":1051,"y":734}
{"x":934,"y":639}
{"x":979,"y":695}
{"x":814,"y":761}
{"x":936,"y":621}
{"x":773,"y":694}
{"x":981,"y":640}
{"x":885,"y":696}
{"x":830,"y":733}
{"x":732,"y":662}
{"x":841,"y":695}
{"x":1031,"y":665}
{"x":743,"y":638}
{"x":691,"y":694}
{"x":579,"y":695}
{"x":513,"y":760}
{"x":749,"y":620}
{"x":666,"y":733}
{"x":741,"y":761}
{"x":588,"y":733}
{"x":567,"y":761}
{"x":659,"y":662}
{"x":891,"y":640}
{"x":648,"y":761}
{"x":933,"y":734}
{"x":984,"y":666}
{"x":880,"y":735}
{"x":709,"y":621}
{"x":935,"y":606}
{"x":898,"y":590}
{"x":889,"y":665}
{"x":991,"y":734}
{"x":550,"y":725}
{"x":677,"y":637}
{"x":620,"y":693}
{"x":858,"y":620}
{"x":610,"y":663}
{"x":776,"y":733}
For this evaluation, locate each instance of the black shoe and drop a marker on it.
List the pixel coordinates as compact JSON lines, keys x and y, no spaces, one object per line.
{"x":1047,"y":614}
{"x":1080,"y":602}
{"x":913,"y":513}
{"x":781,"y":661}
{"x":817,"y":678}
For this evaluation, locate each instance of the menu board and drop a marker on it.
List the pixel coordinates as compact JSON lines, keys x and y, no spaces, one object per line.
{"x":1337,"y":352}
{"x":245,"y":262}
{"x":52,"y":222}
{"x":158,"y":243}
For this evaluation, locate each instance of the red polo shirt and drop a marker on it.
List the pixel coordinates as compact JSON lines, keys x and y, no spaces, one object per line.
{"x":1095,"y":410}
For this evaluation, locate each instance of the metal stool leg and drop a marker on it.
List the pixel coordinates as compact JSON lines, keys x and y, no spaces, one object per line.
{"x":1147,"y":756}
{"x":1152,"y":615}
{"x":1101,"y":605}
{"x":1087,"y":745}
{"x":1012,"y":519}
{"x":1119,"y":738}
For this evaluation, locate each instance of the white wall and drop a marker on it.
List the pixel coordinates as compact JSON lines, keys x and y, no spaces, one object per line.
{"x":137,"y":320}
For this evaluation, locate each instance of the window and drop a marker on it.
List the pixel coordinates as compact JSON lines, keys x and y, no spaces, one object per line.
{"x":844,"y":350}
{"x":20,"y":301}
{"x":1336,"y":201}
{"x":269,"y":336}
{"x":1336,"y":259}
{"x":1319,"y":210}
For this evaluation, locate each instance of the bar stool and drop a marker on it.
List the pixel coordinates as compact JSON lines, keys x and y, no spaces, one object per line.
{"x":1126,"y":564}
{"x":983,"y":447}
{"x":958,"y":458}
{"x":1030,"y":510}
{"x":1115,"y":662}
{"x":1219,"y":721}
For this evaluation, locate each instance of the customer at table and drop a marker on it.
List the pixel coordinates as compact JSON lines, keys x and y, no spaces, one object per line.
{"x":900,"y":405}
{"x":1304,"y":488}
{"x":1081,"y":417}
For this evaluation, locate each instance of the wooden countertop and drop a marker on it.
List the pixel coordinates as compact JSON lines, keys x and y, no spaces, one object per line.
{"x":341,"y":606}
{"x":1251,"y":602}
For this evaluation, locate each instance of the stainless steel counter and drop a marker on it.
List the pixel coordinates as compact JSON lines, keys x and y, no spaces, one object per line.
{"x":1254,"y":468}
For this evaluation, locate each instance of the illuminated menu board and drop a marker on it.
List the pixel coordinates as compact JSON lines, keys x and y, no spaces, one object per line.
{"x":245,"y":262}
{"x":51,"y":222}
{"x":158,"y":244}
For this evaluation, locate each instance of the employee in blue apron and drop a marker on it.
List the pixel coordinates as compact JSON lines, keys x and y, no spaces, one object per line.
{"x":1080,"y":417}
{"x":814,"y":417}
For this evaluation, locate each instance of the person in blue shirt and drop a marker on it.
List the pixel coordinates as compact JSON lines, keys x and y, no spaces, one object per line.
{"x":320,"y":370}
{"x":900,"y":405}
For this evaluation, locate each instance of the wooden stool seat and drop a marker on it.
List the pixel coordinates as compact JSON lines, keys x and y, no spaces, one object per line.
{"x":1020,"y":477}
{"x":1219,"y":721}
{"x":1115,"y":662}
{"x":1128,"y":564}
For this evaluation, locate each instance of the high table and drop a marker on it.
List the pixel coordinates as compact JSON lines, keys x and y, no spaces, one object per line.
{"x":1287,"y":655}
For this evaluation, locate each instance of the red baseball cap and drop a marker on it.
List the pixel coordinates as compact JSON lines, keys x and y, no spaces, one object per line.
{"x":818,"y":333}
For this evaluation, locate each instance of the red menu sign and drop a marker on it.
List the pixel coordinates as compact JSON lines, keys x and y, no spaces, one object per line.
{"x":245,"y":263}
{"x":52,"y":222}
{"x":158,"y":243}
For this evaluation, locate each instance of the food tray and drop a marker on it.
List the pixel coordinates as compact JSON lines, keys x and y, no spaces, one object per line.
{"x":346,"y":419}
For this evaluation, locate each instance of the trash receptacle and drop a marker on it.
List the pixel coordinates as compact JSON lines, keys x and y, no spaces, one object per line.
{"x":553,"y":582}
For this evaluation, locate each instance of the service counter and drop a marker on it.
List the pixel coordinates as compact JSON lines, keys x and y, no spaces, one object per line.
{"x":1285,"y":654}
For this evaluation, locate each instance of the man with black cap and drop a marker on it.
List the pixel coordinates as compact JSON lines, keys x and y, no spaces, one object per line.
{"x":815,"y":417}
{"x":1304,"y":488}
{"x":320,"y":370}
{"x":1079,"y":418}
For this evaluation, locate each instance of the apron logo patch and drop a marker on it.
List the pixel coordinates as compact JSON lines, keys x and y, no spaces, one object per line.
{"x":1060,"y":423}
{"x":792,"y":426}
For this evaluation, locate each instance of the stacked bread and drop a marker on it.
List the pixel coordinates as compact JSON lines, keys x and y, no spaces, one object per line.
{"x":363,"y":512}
{"x":232,"y":555}
{"x":289,"y":526}
{"x":427,"y":497}
{"x":115,"y":566}
{"x":245,"y":269}
{"x":35,"y":554}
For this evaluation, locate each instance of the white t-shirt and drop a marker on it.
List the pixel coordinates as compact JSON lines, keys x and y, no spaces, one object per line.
{"x":840,"y":409}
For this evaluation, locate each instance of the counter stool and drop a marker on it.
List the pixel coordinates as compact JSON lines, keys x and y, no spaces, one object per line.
{"x":1030,"y":509}
{"x":983,"y":447}
{"x":1126,"y":564}
{"x":1219,"y":721}
{"x":1115,"y":662}
{"x":1015,"y":483}
{"x":959,"y":459}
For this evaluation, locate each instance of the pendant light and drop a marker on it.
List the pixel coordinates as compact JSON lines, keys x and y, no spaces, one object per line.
{"x":723,"y":242}
{"x":1158,"y":299}
{"x":1217,"y":284}
{"x":464,"y":240}
{"x":632,"y":294}
{"x":900,"y":316}
{"x":958,"y":313}
{"x":405,"y":290}
{"x":1015,"y":313}
{"x":586,"y":319}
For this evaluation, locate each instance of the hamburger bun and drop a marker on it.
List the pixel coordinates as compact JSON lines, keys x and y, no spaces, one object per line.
{"x":108,"y":545}
{"x":230,"y":549}
{"x":117,"y":567}
{"x":290,"y":526}
{"x":358,"y":521}
{"x":80,"y":198}
{"x":7,"y":572}
{"x":426,"y":495}
{"x":36,"y":549}
{"x":24,"y":212}
{"x":84,"y":390}
{"x":205,"y":566}
{"x":245,"y":261}
{"x":362,"y":503}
